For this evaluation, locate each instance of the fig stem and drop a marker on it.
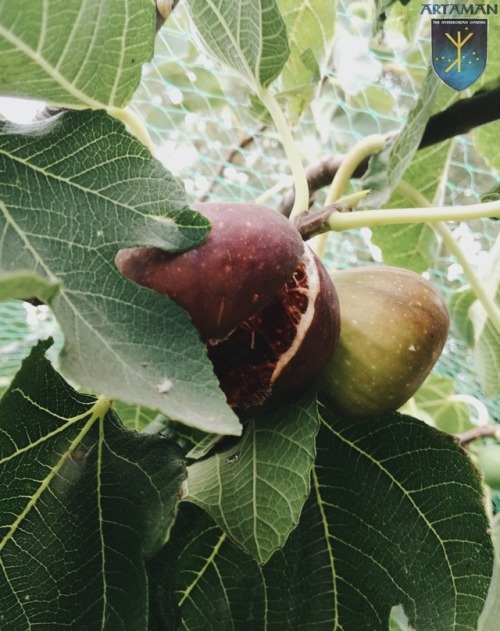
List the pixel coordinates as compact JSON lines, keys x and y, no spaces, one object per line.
{"x":361,"y":150}
{"x":301,"y":185}
{"x":313,"y":224}
{"x":134,"y":124}
{"x":459,"y":213}
{"x":426,"y":214}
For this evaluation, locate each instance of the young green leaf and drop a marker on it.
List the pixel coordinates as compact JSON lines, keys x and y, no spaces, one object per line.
{"x":460,"y":302}
{"x":255,"y":490}
{"x":481,"y":335}
{"x":75,"y":52}
{"x":438,"y":401}
{"x":24,"y":285}
{"x":76,"y":189}
{"x":83,"y":502}
{"x":311,"y":26}
{"x":486,"y":335}
{"x":247,"y":35}
{"x":388,"y":166}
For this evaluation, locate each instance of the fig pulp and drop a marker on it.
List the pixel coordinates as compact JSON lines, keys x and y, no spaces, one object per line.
{"x":261,"y":300}
{"x":394,"y":327}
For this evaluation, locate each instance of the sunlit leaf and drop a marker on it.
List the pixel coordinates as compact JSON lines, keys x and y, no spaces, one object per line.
{"x":486,"y":331}
{"x":311,"y":27}
{"x":415,"y":246}
{"x":84,"y":53}
{"x":486,"y":138}
{"x":487,"y":356}
{"x":75,"y":189}
{"x":388,"y":166}
{"x":439,"y":402}
{"x":247,"y":35}
{"x":460,"y":303}
{"x":412,"y":246}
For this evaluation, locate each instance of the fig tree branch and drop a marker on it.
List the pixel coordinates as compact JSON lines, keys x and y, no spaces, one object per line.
{"x":460,"y":118}
{"x":247,"y":140}
{"x":482,"y":431}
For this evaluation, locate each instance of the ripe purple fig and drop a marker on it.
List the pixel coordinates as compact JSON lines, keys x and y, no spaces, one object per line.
{"x":261,"y":300}
{"x":394,"y":327}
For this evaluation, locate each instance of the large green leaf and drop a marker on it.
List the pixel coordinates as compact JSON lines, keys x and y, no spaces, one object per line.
{"x":83,"y":502}
{"x":255,"y":490}
{"x":84,"y":53}
{"x":395,"y":516}
{"x":311,"y":27}
{"x":248,"y":35}
{"x":74,"y":190}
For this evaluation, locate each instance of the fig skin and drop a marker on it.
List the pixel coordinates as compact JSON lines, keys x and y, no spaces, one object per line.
{"x":249,"y":246}
{"x":261,"y":300}
{"x":394,"y":327}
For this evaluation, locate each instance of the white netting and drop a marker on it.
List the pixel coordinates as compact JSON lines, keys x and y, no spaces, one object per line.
{"x":210,"y":132}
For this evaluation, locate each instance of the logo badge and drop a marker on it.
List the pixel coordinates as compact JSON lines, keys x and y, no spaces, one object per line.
{"x":459,"y":51}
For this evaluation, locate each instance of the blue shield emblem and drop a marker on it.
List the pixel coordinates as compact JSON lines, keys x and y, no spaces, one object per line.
{"x":459,"y":50}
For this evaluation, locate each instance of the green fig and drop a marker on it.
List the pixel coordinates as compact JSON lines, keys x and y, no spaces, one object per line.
{"x":394,"y":325}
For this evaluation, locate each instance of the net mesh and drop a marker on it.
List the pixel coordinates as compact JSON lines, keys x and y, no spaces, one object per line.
{"x":210,"y":132}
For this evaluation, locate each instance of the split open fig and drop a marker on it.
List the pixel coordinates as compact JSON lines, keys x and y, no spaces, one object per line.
{"x":262,"y":301}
